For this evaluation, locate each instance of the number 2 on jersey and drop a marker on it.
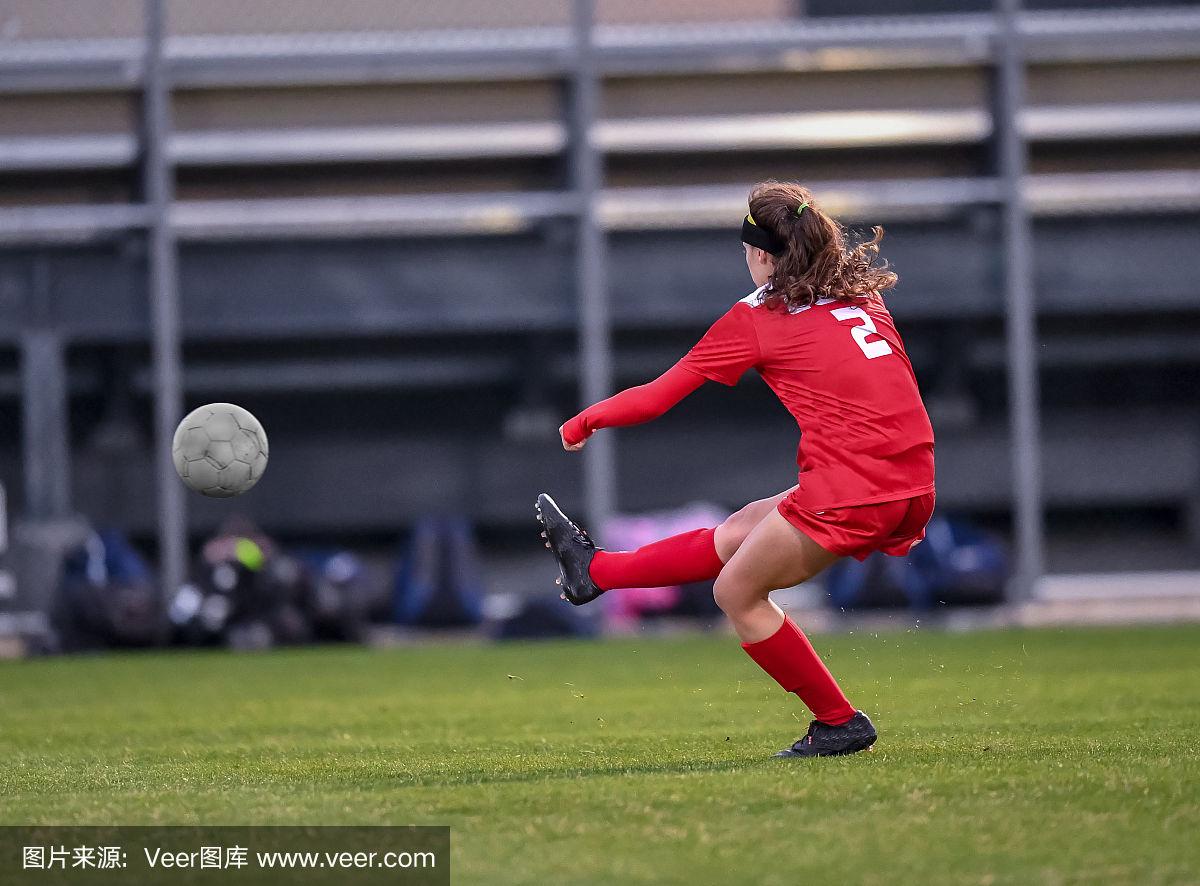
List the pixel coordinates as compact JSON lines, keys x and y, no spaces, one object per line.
{"x":872,"y":349}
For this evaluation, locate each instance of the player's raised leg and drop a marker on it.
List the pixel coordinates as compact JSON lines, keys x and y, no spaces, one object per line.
{"x":777,"y":555}
{"x":692,"y":556}
{"x":738,"y":526}
{"x":698,"y":555}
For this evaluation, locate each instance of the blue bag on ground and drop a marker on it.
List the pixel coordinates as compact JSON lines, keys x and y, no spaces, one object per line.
{"x":108,"y":596}
{"x":438,"y":584}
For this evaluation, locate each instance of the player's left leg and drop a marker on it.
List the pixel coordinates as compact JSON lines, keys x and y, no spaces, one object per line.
{"x":778,"y":555}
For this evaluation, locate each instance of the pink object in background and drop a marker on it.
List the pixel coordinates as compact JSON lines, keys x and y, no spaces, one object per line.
{"x":625,"y":607}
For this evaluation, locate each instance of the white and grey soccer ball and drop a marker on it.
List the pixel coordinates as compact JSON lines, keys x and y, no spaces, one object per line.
{"x":220,"y":450}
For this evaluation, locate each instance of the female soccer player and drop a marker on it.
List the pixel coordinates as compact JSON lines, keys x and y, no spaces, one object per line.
{"x":818,"y":333}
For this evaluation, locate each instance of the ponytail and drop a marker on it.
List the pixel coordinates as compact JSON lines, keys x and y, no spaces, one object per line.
{"x":815,"y":260}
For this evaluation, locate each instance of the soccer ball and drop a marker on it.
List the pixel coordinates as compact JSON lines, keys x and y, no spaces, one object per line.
{"x":220,"y":450}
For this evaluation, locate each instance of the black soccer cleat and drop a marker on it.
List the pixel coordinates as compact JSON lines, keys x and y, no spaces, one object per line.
{"x":856,"y":734}
{"x":572,"y":549}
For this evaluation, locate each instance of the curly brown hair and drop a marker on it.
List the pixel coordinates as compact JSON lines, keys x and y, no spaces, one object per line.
{"x":818,"y":260}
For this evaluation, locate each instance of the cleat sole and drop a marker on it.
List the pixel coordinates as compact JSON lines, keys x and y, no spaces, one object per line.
{"x":550,"y":516}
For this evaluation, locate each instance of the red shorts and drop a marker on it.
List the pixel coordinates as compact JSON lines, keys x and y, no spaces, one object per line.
{"x":893,"y":527}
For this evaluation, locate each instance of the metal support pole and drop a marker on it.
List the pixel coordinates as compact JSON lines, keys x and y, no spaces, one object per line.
{"x":164,"y":300}
{"x":1021,"y":315}
{"x":44,"y":425}
{"x":591,"y":283}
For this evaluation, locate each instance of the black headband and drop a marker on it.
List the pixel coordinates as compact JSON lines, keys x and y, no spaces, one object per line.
{"x":760,"y":237}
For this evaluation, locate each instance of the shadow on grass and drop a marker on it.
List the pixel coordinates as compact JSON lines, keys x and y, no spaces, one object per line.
{"x":554,"y":773}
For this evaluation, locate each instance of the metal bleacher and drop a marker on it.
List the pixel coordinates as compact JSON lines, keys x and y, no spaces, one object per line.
{"x":383,"y":214}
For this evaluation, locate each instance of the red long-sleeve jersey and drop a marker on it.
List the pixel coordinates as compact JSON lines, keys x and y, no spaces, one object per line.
{"x":839,"y":369}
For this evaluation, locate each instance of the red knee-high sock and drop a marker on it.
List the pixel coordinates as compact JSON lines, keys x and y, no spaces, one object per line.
{"x":678,"y":560}
{"x":788,"y":657}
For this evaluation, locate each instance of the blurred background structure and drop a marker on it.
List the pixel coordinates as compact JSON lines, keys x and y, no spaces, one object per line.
{"x":413,"y":238}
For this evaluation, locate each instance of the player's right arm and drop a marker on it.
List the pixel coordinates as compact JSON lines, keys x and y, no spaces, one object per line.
{"x":633,"y":406}
{"x":726,"y":351}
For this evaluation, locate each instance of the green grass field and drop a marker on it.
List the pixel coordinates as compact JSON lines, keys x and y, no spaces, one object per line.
{"x":1005,"y":757}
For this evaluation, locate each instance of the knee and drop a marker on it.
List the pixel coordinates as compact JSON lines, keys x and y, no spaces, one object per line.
{"x":739,"y":523}
{"x":731,"y":533}
{"x":729,"y":595}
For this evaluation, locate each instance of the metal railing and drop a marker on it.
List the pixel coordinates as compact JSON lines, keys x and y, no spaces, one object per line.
{"x":814,"y":130}
{"x":297,"y":59}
